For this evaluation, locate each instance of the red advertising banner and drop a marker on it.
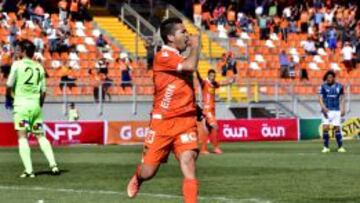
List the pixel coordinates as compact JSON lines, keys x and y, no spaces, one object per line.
{"x":258,"y":130}
{"x":126,"y":132}
{"x":60,"y":133}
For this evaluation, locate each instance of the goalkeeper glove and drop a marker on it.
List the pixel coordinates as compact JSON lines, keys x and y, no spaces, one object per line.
{"x":9,"y":103}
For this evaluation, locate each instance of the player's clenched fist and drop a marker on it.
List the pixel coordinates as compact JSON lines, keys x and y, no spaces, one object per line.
{"x":193,"y":41}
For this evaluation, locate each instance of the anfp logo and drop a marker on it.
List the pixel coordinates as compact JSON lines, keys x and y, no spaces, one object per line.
{"x":63,"y":129}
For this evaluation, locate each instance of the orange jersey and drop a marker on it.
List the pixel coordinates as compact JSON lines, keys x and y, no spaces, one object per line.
{"x":174,"y":89}
{"x":208,"y":94}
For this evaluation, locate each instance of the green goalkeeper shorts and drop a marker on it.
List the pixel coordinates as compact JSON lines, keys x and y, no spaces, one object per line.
{"x":28,"y":118}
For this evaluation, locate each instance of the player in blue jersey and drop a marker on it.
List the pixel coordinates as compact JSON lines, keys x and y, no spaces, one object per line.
{"x":332,"y":104}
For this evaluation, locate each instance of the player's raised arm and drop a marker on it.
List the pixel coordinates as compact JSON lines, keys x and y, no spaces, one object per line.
{"x":198,"y":76}
{"x":10,"y":83}
{"x":191,"y":62}
{"x":227,"y":82}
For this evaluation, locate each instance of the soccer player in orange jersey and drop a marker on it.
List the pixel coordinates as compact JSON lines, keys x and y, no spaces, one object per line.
{"x":208,"y":87}
{"x":173,"y":119}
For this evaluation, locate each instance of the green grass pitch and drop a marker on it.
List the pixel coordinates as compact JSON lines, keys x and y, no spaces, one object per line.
{"x":285,"y":172}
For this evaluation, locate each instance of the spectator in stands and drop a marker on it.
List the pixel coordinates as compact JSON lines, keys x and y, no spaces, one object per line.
{"x":291,"y":69}
{"x":263,"y":27}
{"x":74,"y":9}
{"x":38,"y":56}
{"x":318,"y":17}
{"x":284,"y":64}
{"x":309,"y":46}
{"x":74,"y":60}
{"x":102,"y":66}
{"x":22,"y":11}
{"x":73,"y":113}
{"x":319,"y":41}
{"x":38,"y":13}
{"x":329,"y":14}
{"x":67,"y":78}
{"x":229,"y":64}
{"x":347,"y":53}
{"x":276,"y":22}
{"x":304,"y":20}
{"x":219,"y":14}
{"x":287,"y":13}
{"x":232,"y":30}
{"x":63,"y":44}
{"x":39,"y":43}
{"x":231,"y":13}
{"x":52,"y":39}
{"x":64,"y":29}
{"x":273,"y":9}
{"x":4,"y":21}
{"x":107,"y":84}
{"x":5,"y":61}
{"x":292,"y":27}
{"x":84,"y":14}
{"x":46,"y":23}
{"x":97,"y":79}
{"x":332,"y":39}
{"x":62,"y":10}
{"x":259,"y":11}
{"x":100,"y":41}
{"x":244,"y":22}
{"x":13,"y":33}
{"x":318,"y":4}
{"x":125,"y":68}
{"x":197,"y":10}
{"x":357,"y":50}
{"x":303,"y":69}
{"x":284,"y":29}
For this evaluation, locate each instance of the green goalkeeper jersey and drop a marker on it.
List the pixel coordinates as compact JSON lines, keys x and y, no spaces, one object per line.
{"x":27,"y":78}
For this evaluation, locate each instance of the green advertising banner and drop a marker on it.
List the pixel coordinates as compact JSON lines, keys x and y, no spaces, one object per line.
{"x":309,"y":128}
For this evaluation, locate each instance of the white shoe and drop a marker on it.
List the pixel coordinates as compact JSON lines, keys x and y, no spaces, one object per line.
{"x":27,"y":175}
{"x":55,"y":170}
{"x":325,"y":150}
{"x":341,"y":150}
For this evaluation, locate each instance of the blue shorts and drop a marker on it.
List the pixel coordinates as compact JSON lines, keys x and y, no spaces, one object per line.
{"x":332,"y":43}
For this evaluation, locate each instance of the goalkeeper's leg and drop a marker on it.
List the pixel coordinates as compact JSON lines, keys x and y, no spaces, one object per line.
{"x":46,"y":148}
{"x":25,"y":154}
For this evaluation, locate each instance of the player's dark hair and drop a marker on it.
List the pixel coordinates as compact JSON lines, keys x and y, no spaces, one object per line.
{"x":167,"y":27}
{"x":329,"y":72}
{"x":28,"y":47}
{"x":211,"y":71}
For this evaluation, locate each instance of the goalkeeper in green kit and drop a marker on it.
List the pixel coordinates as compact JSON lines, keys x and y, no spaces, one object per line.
{"x":25,"y":94}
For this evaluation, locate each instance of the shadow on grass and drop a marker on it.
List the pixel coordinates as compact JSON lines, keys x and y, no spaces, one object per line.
{"x":49,"y":173}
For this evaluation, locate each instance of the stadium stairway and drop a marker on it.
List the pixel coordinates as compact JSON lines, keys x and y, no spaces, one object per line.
{"x":237,"y":93}
{"x":120,"y":32}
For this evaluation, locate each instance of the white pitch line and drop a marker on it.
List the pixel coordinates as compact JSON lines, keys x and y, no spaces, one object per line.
{"x":109,"y":192}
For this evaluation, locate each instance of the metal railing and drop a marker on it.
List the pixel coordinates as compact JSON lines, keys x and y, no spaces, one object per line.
{"x":138,"y":24}
{"x":283,"y":98}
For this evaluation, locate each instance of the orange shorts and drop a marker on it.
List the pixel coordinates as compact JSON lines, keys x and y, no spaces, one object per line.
{"x":210,"y":117}
{"x":175,"y":134}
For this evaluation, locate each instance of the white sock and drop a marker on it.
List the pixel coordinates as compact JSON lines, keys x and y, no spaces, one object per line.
{"x":25,"y":154}
{"x":47,"y":150}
